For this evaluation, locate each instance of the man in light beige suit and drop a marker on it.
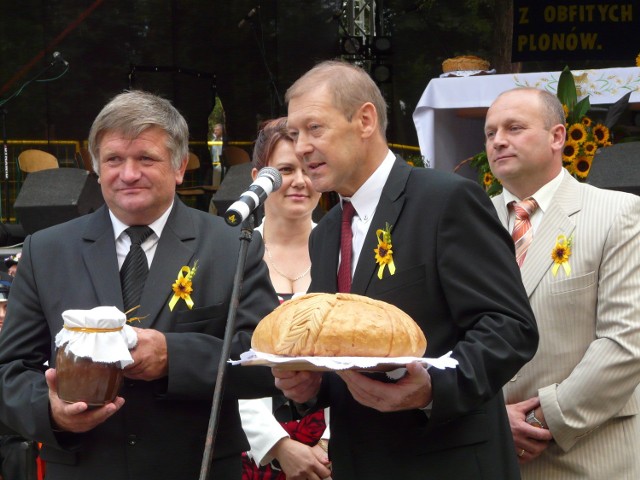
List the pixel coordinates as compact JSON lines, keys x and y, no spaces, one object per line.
{"x":574,"y":407}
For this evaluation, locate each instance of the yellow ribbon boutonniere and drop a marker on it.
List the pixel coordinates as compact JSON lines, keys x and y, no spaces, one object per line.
{"x":182,"y":287}
{"x":561,"y":253}
{"x":384,"y":252}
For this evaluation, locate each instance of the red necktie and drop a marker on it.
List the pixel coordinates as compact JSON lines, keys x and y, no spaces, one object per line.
{"x":522,"y":234}
{"x":344,"y":271}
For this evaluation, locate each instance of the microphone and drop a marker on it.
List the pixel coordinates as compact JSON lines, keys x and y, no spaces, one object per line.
{"x":57,"y":57}
{"x":267,"y":181}
{"x":248,"y":16}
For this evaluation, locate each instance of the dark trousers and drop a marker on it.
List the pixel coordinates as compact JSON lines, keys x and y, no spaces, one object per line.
{"x":229,"y":468}
{"x":18,"y":458}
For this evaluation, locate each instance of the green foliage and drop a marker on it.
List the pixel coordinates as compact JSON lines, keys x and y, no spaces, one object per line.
{"x":485,"y":178}
{"x":568,"y":95}
{"x":415,"y":160}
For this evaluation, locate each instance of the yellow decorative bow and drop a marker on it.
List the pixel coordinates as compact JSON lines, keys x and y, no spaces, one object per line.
{"x":182,"y":287}
{"x":384,"y":252}
{"x":560,"y":255}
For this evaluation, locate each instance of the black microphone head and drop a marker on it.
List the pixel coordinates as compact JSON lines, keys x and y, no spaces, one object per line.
{"x":273,"y":174}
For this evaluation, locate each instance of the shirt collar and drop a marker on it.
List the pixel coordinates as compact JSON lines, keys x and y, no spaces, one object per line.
{"x":543,"y":196}
{"x":157,"y":226}
{"x":366,"y":198}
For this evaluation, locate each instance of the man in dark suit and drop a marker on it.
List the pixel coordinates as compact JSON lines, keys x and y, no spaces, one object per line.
{"x":453,"y":272}
{"x":156,"y":428}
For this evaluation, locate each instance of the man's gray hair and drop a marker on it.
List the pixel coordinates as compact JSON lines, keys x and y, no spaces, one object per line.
{"x":131,"y":113}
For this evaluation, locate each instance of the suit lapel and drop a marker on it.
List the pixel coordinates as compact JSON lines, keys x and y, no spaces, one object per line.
{"x":171,"y":255}
{"x":387,"y":211}
{"x":325,"y":250}
{"x":556,"y":221}
{"x":99,"y":254}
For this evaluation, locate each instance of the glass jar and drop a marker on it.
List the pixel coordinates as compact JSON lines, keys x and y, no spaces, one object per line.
{"x":81,"y":379}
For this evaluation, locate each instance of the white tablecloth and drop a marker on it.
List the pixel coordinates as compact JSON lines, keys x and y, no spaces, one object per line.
{"x":449,"y":118}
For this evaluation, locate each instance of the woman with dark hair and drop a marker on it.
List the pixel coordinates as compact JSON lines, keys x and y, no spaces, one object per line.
{"x":282,"y":444}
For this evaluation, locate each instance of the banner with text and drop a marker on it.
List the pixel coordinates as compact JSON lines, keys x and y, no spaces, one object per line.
{"x":571,"y":30}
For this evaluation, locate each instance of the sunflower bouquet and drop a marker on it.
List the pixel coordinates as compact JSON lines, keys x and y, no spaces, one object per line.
{"x":584,"y":135}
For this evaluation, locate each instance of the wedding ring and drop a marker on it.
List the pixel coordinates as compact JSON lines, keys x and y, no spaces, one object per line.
{"x":521,"y":453}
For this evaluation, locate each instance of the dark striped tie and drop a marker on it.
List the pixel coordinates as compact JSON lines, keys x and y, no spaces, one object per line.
{"x":134,"y":270}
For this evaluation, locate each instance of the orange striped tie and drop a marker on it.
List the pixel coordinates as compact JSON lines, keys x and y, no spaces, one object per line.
{"x":522,"y":233}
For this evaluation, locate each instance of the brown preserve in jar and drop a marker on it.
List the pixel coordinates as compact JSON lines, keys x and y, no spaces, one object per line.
{"x":93,"y":349}
{"x":81,"y":379}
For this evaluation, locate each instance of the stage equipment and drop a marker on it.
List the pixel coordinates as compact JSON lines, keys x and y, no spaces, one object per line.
{"x":50,"y":197}
{"x":236,"y":180}
{"x":617,"y":168}
{"x":57,"y":58}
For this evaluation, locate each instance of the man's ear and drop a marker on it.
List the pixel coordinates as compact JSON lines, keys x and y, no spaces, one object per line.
{"x":254,"y":173}
{"x":368,"y":118}
{"x":558,"y":136}
{"x":181,"y":170}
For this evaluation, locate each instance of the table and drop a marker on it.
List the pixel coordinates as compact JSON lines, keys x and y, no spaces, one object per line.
{"x":449,"y":117}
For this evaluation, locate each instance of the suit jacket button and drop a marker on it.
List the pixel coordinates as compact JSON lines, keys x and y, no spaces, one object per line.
{"x":132,"y":440}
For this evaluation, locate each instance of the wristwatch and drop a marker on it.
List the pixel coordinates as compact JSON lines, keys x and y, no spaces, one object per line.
{"x":532,"y":420}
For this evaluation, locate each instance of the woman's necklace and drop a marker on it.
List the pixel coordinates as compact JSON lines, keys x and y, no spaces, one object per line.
{"x":275,"y":267}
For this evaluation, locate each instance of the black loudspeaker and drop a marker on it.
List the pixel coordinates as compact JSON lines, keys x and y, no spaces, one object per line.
{"x":50,"y":197}
{"x":235,"y":182}
{"x":617,"y":168}
{"x":11,"y":234}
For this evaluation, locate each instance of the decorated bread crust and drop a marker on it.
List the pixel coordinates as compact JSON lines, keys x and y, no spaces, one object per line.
{"x":338,"y":325}
{"x":464,"y":63}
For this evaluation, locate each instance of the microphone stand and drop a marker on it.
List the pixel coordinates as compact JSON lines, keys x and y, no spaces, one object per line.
{"x":5,"y":142}
{"x":245,"y":239}
{"x":263,"y":57}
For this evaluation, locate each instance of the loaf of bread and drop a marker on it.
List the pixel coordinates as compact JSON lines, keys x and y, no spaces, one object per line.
{"x":338,"y":325}
{"x":464,"y":63}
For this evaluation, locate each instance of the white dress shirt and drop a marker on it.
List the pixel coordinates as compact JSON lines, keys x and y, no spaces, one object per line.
{"x":123,"y":242}
{"x":365,"y":201}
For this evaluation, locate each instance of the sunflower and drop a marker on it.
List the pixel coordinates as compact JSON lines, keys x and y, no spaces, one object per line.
{"x":384,"y":252}
{"x":183,"y":286}
{"x":586,"y":121}
{"x":601,"y":134}
{"x":570,"y":151}
{"x":566,"y":110}
{"x":577,"y":132}
{"x":638,"y":60}
{"x":571,"y":168}
{"x":561,"y":253}
{"x":582,"y":166}
{"x":589,"y":148}
{"x":487,"y":179}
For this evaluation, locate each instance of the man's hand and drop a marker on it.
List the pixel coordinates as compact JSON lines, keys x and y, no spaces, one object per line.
{"x":300,"y":461}
{"x":150,"y":359}
{"x":530,"y":441}
{"x":76,"y":417}
{"x":297,"y":386}
{"x":410,"y":392}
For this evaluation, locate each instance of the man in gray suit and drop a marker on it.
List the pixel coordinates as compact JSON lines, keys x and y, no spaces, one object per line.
{"x":157,"y":427}
{"x":573,"y":409}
